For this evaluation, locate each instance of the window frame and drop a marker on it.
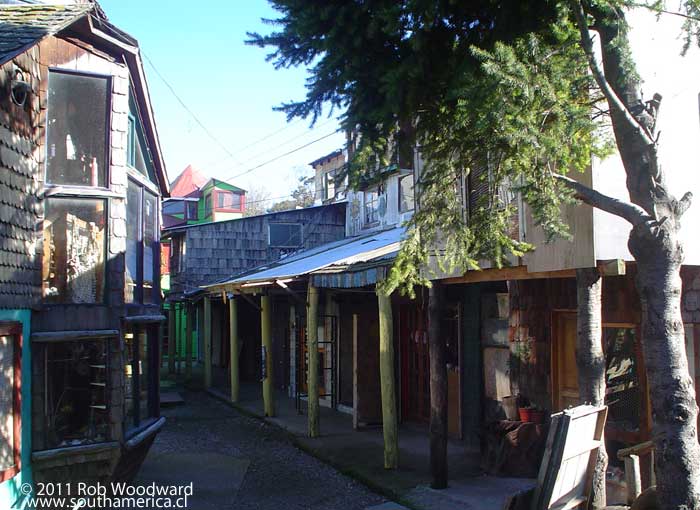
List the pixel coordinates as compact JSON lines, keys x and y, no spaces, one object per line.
{"x":218,"y":193}
{"x":14,"y":329}
{"x":401,"y":195}
{"x":151,"y":363}
{"x":105,"y":245}
{"x":288,"y":223}
{"x":194,"y":205}
{"x":108,"y":131}
{"x":208,"y":211}
{"x":374,"y":220}
{"x":139,"y":291}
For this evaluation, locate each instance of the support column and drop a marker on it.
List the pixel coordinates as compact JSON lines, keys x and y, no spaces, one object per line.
{"x":266,"y":333}
{"x":312,"y":368}
{"x":438,"y":388}
{"x":207,"y":342}
{"x":189,"y":339}
{"x":233,"y":337}
{"x":178,"y":338}
{"x":388,"y":382}
{"x":171,"y":338}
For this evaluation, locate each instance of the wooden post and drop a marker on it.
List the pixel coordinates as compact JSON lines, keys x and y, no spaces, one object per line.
{"x":312,"y":368}
{"x":171,"y":338}
{"x":438,"y":389}
{"x":388,"y":382}
{"x":355,"y":378}
{"x":178,"y":338}
{"x":266,"y":333}
{"x":189,"y":338}
{"x":207,"y":342}
{"x":233,"y":337}
{"x":633,"y":478}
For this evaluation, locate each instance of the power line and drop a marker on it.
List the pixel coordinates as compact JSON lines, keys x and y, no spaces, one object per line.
{"x":281,"y":156}
{"x":182,"y":103}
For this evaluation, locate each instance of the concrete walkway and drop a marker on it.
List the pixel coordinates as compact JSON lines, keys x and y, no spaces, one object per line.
{"x":360,"y":455}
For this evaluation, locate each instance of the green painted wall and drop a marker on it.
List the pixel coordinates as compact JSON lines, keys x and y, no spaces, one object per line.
{"x":11,"y":496}
{"x":180,"y":321}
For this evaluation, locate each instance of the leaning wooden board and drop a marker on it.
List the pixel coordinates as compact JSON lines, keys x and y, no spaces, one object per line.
{"x":565,"y":475}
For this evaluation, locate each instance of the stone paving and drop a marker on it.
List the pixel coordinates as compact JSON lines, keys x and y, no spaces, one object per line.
{"x":239,"y":462}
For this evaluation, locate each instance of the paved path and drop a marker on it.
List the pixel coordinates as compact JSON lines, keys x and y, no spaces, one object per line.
{"x":237,"y":462}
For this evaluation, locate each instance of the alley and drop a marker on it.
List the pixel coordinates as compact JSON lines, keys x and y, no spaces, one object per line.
{"x":238,"y":462}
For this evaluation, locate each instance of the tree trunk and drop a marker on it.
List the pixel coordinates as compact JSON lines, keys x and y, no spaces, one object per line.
{"x":590,"y":362}
{"x":312,"y":367}
{"x":674,"y":431}
{"x":438,"y":389}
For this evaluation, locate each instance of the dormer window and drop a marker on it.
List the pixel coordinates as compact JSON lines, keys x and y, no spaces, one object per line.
{"x":77,"y":129}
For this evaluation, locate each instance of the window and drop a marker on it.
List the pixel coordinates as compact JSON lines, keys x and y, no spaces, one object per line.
{"x":328,"y":186}
{"x":191,"y":210}
{"x":623,"y":394}
{"x":10,"y":398}
{"x":141,"y":244}
{"x":74,"y":250}
{"x":76,"y":387}
{"x":137,"y":154}
{"x":178,"y":254}
{"x":285,"y":235}
{"x":173,"y":207}
{"x":371,"y":199}
{"x":141,"y":382}
{"x":207,"y":206}
{"x":77,"y":129}
{"x":228,"y":200}
{"x":406,"y":199}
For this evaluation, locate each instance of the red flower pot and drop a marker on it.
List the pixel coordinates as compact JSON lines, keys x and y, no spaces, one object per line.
{"x":525,"y":414}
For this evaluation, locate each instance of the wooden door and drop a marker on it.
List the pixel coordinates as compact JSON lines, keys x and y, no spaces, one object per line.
{"x":415,"y":369}
{"x":564,"y":372}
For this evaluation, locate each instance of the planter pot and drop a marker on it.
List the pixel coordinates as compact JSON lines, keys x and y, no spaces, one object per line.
{"x":537,"y":416}
{"x":525,"y":414}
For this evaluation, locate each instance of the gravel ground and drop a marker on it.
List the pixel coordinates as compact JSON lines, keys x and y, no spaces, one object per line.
{"x":260,"y":467}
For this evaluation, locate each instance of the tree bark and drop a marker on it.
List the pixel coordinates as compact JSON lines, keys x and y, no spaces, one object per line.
{"x":438,"y":389}
{"x":590,"y":362}
{"x":655,"y":246}
{"x":674,"y":410}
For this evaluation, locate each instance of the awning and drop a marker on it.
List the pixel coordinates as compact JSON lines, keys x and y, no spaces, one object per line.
{"x":333,"y":257}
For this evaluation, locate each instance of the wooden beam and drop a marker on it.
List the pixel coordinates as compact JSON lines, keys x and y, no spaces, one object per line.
{"x":312,"y":367}
{"x":388,"y":382}
{"x":266,"y":333}
{"x":355,"y":378}
{"x":438,"y":388}
{"x":171,"y":338}
{"x":507,"y":273}
{"x":189,"y":339}
{"x":207,"y":342}
{"x":233,"y":337}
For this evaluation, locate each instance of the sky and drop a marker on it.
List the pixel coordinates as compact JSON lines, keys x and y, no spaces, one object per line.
{"x":197,"y":49}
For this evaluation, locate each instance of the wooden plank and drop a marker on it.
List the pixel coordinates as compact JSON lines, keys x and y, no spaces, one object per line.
{"x":507,"y":273}
{"x":207,"y":342}
{"x":67,"y":336}
{"x":633,"y":477}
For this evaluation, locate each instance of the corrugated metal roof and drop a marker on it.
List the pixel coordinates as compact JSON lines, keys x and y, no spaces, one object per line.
{"x":340,"y":253}
{"x":21,"y":26}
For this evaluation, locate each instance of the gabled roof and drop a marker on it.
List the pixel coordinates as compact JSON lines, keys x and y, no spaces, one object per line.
{"x":188,"y":183}
{"x":22,"y":26}
{"x":325,"y":258}
{"x":327,"y":157}
{"x":222,"y":184}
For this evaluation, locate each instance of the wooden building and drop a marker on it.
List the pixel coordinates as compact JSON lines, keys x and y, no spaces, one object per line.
{"x":81,"y":178}
{"x":208,"y":252}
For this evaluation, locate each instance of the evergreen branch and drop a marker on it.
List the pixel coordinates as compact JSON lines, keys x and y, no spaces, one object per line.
{"x":628,"y":211}
{"x":599,"y":76}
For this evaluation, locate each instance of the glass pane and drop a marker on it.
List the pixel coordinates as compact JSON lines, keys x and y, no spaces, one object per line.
{"x":150,"y":215}
{"x":77,"y":393}
{"x":622,"y":393}
{"x":133,"y":241}
{"x":77,"y":129}
{"x":7,"y":387}
{"x":74,"y":246}
{"x":406,"y":193}
{"x":173,"y":207}
{"x":192,"y":210}
{"x":130,"y":398}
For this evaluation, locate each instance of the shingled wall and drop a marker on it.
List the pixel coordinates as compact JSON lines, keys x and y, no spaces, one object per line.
{"x":20,"y":279}
{"x":221,"y":249}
